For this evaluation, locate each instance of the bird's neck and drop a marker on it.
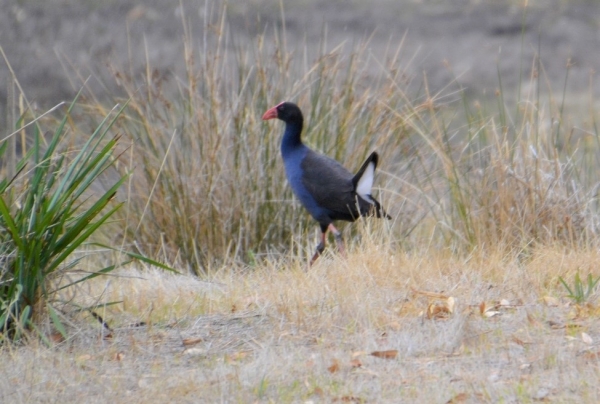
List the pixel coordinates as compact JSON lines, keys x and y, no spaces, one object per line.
{"x":291,"y":138}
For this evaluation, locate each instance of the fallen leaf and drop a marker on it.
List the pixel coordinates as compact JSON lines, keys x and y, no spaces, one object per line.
{"x":83,"y":358}
{"x":438,"y":311}
{"x":525,"y":366}
{"x":450,"y":302}
{"x":491,"y":313}
{"x":191,"y":341}
{"x":119,"y":356}
{"x":348,"y":399}
{"x":459,"y":398}
{"x":555,"y":325}
{"x":551,"y":301}
{"x":585,"y":337}
{"x":589,"y":355}
{"x":481,"y":308}
{"x":532,"y":320}
{"x":335,"y":366}
{"x":504,"y":302}
{"x":391,"y":354}
{"x":194,"y":352}
{"x":582,"y":311}
{"x":517,"y":341}
{"x":368,"y":372}
{"x":158,"y":337}
{"x":318,"y":391}
{"x":56,"y":337}
{"x":355,"y":363}
{"x":430,"y":294}
{"x":236,"y":356}
{"x":358,"y":353}
{"x":394,"y":325}
{"x":458,"y":351}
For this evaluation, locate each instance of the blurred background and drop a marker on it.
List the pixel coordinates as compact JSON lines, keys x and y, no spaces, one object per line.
{"x":483,"y":112}
{"x":54,"y":45}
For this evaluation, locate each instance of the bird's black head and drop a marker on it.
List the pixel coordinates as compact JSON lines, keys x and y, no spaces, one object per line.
{"x":288,"y":112}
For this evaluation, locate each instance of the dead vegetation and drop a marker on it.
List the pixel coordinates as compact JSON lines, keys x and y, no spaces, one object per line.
{"x":382,"y":326}
{"x":456,"y":300}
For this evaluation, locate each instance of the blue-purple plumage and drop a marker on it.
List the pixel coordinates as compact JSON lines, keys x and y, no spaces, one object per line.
{"x":324,"y":187}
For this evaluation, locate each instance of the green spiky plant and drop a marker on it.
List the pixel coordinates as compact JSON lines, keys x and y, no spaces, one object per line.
{"x":47,"y":212}
{"x":580,"y":292}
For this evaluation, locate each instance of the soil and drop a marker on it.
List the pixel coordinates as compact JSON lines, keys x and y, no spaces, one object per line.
{"x":54,"y":45}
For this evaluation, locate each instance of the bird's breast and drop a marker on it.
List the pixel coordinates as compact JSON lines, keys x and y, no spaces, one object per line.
{"x":294,"y":173}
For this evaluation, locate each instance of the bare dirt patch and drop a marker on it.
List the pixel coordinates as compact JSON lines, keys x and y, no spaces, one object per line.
{"x":55,"y":45}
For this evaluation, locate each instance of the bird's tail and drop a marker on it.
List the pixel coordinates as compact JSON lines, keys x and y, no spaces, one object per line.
{"x":363,"y":182}
{"x":377,"y":210}
{"x":370,"y":206}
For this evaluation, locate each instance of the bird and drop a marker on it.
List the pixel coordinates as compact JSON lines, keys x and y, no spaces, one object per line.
{"x":327,"y":190}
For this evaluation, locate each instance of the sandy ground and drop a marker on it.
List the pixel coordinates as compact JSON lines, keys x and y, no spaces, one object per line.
{"x":380,"y":327}
{"x":54,"y":45}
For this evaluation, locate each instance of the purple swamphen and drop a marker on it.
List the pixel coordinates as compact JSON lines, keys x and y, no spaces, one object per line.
{"x":326,"y":189}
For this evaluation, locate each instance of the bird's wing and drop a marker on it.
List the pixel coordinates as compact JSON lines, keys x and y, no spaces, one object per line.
{"x":329,"y":183}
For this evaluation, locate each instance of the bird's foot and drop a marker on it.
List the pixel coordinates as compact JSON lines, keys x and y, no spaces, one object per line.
{"x":320,"y":249}
{"x":338,"y":239}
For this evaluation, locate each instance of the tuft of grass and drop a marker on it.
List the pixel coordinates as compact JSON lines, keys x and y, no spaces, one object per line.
{"x":580,"y":292}
{"x":208,"y":185}
{"x":496,"y":180}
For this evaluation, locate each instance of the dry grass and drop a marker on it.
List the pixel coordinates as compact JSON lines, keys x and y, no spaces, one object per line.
{"x":280,"y":334}
{"x":460,"y":289}
{"x":208,"y":185}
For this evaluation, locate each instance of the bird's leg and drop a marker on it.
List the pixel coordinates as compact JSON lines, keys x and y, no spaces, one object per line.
{"x":338,"y":239}
{"x":320,"y":247}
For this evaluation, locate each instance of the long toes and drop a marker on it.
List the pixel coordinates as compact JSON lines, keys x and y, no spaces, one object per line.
{"x":320,"y":249}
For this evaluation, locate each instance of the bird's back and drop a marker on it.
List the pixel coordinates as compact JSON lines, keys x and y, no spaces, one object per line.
{"x":330,"y":184}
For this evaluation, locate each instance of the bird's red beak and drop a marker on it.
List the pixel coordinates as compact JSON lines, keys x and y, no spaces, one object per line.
{"x":270,"y":114}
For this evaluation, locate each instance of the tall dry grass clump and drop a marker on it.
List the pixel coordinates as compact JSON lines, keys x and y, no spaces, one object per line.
{"x":510,"y":180}
{"x":208,"y":185}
